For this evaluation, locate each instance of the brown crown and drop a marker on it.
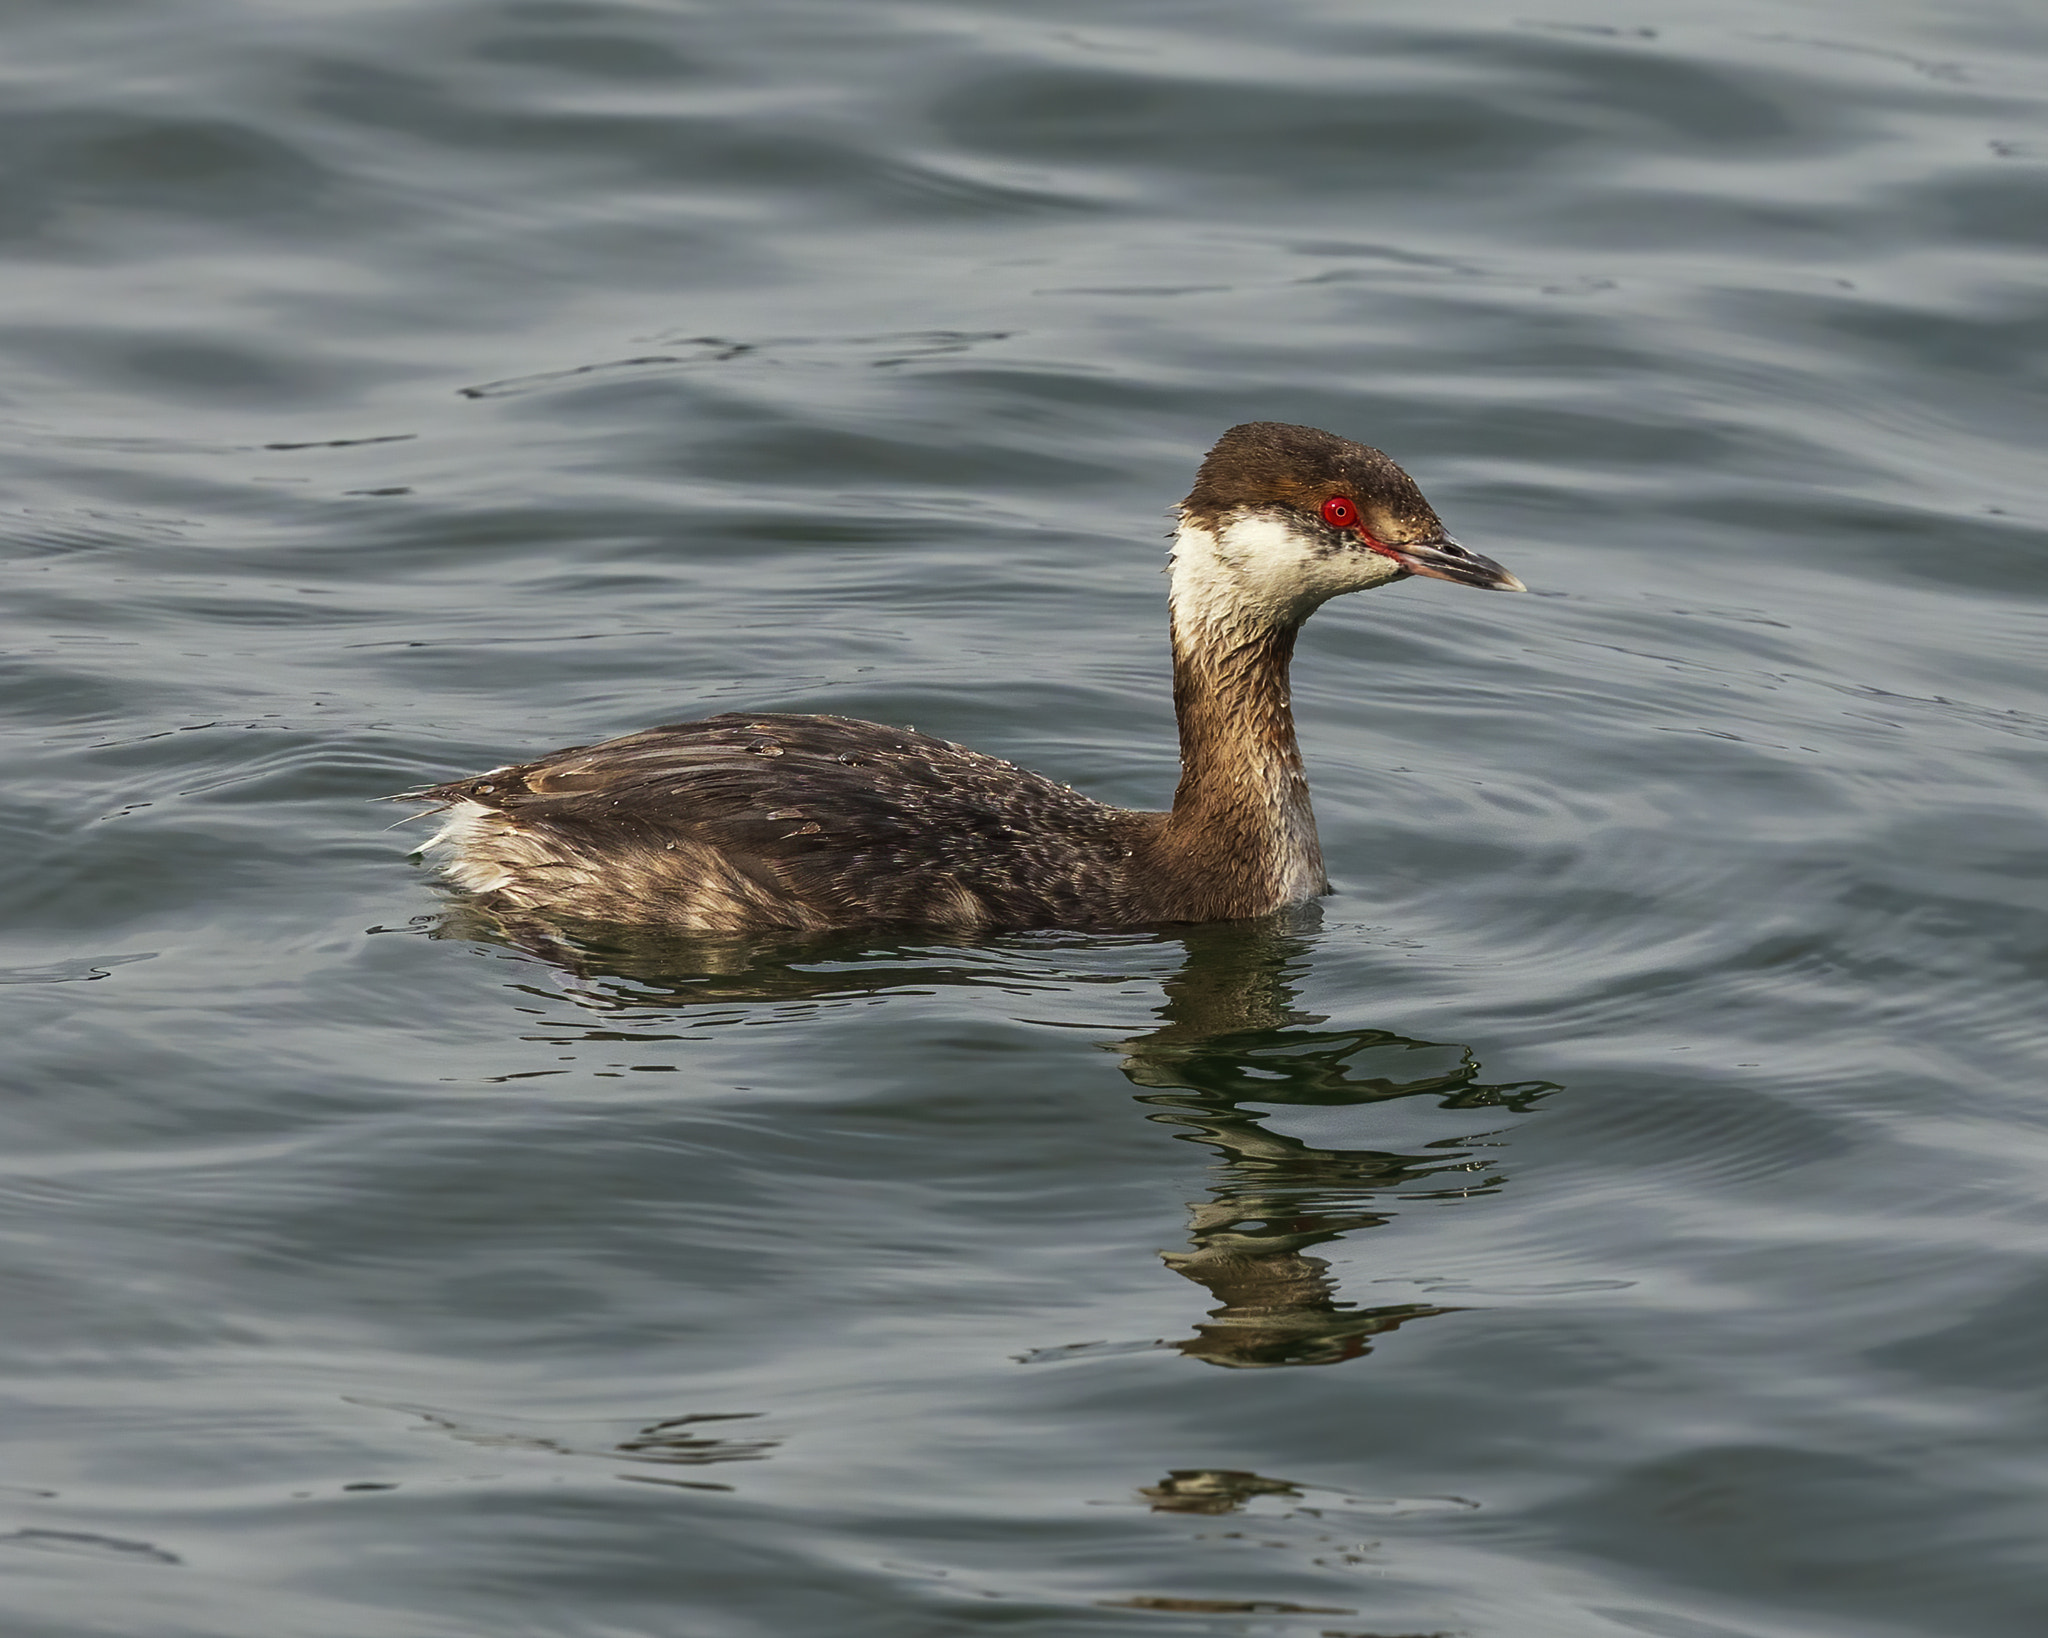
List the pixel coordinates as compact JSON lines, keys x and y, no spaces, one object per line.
{"x":1267,"y":464}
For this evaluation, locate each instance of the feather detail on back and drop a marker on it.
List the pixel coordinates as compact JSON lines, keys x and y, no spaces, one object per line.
{"x":739,"y":822}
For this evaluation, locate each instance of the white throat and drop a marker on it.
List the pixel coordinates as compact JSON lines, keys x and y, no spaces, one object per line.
{"x":1238,"y":593}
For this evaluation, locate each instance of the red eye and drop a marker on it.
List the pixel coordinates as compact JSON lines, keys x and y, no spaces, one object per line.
{"x":1339,"y":513}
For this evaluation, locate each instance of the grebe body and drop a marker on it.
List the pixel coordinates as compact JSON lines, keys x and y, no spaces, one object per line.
{"x":745,"y":823}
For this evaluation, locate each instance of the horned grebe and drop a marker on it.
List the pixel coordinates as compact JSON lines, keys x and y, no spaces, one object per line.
{"x":741,"y":823}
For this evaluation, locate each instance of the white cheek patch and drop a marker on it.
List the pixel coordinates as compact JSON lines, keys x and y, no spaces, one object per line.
{"x":1265,"y":568}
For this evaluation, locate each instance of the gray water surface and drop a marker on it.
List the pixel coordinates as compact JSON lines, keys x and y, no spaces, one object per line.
{"x":1622,"y":1209}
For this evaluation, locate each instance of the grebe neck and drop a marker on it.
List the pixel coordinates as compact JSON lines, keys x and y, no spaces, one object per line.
{"x":1241,"y":813}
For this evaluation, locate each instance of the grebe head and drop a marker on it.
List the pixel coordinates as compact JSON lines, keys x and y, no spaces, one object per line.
{"x":1283,"y":518}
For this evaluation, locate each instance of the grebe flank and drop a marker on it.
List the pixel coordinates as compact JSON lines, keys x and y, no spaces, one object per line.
{"x":743,"y":823}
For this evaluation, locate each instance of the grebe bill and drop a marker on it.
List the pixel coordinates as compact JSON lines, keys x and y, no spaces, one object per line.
{"x":744,"y":823}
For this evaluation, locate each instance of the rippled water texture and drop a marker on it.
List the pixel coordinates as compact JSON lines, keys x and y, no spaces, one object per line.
{"x":1619,"y":1211}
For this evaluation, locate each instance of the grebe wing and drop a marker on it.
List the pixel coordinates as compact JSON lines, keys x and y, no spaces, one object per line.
{"x":755,"y":780}
{"x":828,"y":819}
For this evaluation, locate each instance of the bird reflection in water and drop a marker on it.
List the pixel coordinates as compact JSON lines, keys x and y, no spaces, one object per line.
{"x":1230,"y":1040}
{"x":1212,"y":1490}
{"x":1230,"y":1036}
